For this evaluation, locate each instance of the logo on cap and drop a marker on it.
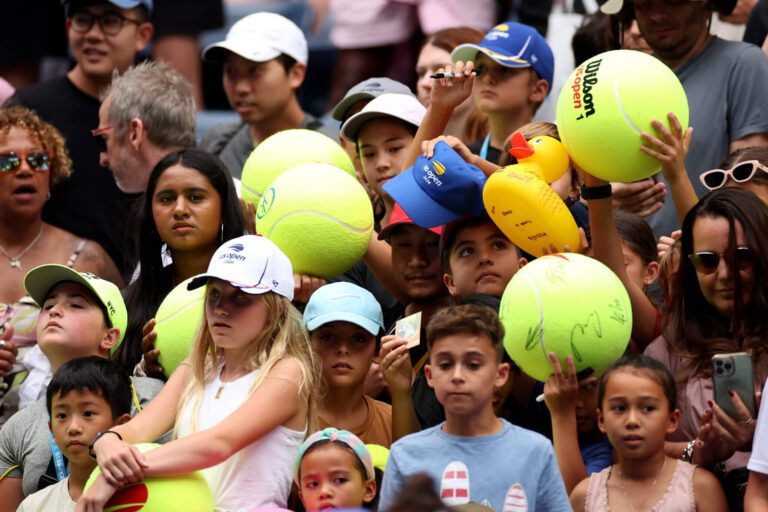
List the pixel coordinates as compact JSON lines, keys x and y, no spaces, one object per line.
{"x":236,"y":247}
{"x":439,"y":167}
{"x":499,"y":31}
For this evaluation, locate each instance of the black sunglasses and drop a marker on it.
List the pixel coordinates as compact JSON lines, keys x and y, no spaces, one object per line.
{"x":707,"y":262}
{"x":37,"y":160}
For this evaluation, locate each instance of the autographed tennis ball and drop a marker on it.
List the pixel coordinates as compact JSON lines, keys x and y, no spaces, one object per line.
{"x":287,"y":149}
{"x":568,"y":304}
{"x":319,"y":216}
{"x":189,"y":492}
{"x":605,"y":104}
{"x":178,"y":321}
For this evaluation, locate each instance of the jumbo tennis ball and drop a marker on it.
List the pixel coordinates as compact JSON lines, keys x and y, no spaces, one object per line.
{"x":568,"y":304}
{"x":189,"y":492}
{"x":379,"y":454}
{"x":319,"y":216}
{"x":178,"y":320}
{"x":605,"y":104}
{"x":287,"y":149}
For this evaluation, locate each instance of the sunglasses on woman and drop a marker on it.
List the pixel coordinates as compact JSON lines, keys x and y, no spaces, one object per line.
{"x":739,"y":173}
{"x":37,"y":160}
{"x":707,"y":262}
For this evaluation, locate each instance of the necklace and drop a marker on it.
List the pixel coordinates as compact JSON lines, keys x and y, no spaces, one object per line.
{"x":624,"y":491}
{"x":222,"y":383}
{"x":16,"y":260}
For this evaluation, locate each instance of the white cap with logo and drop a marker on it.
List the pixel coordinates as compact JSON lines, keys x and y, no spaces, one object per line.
{"x":260,"y":37}
{"x":253,"y":264}
{"x":404,"y":107}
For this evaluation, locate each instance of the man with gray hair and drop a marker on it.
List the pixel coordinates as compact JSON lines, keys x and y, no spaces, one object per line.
{"x":145,"y":114}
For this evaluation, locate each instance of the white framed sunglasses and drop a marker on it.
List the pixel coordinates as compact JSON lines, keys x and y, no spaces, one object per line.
{"x":741,"y":172}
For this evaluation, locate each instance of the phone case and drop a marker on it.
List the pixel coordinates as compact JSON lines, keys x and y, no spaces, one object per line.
{"x":733,"y":372}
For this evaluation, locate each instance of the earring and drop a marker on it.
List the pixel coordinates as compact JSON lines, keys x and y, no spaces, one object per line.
{"x":222,"y":232}
{"x":48,"y":196}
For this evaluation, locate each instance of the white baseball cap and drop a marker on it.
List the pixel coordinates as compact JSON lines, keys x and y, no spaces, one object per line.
{"x":253,"y":264}
{"x":261,"y":37}
{"x":405,"y":107}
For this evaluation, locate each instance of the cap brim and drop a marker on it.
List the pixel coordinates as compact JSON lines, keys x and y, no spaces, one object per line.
{"x":202,"y":280}
{"x":351,"y":127}
{"x":468,"y":52}
{"x":40,"y":280}
{"x":345,"y":316}
{"x":341,"y":108}
{"x":424,"y":211}
{"x":217,"y":52}
{"x":612,"y":6}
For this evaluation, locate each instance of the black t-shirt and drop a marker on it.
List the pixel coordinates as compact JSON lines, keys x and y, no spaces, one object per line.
{"x":494,"y":154}
{"x":88,"y":203}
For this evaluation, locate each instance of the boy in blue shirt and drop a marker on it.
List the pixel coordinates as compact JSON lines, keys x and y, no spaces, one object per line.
{"x":475,"y":456}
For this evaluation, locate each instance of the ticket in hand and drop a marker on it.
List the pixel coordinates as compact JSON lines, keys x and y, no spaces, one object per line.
{"x":409,"y":329}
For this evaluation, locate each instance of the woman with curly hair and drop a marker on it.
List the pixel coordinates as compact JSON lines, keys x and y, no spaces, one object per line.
{"x":33,"y":158}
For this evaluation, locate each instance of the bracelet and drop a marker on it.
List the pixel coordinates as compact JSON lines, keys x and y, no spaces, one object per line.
{"x":598,"y":192}
{"x":97,"y":437}
{"x":687,"y":455}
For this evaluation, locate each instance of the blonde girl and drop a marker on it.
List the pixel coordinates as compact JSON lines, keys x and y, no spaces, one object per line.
{"x":241,"y":404}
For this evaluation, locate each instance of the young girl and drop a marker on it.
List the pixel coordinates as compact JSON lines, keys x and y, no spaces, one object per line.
{"x":334,"y":470}
{"x":637,"y":408}
{"x":190,"y":207}
{"x":241,"y":404}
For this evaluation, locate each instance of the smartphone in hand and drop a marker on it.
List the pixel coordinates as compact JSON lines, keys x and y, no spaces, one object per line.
{"x":733,"y":372}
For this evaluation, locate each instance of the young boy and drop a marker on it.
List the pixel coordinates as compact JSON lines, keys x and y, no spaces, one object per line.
{"x":344,"y":322}
{"x":475,"y":456}
{"x":81,"y":315}
{"x":515,"y":66}
{"x":86,"y":396}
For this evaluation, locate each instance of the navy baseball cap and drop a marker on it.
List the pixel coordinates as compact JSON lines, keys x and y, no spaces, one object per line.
{"x":438,"y":190}
{"x":513,"y":45}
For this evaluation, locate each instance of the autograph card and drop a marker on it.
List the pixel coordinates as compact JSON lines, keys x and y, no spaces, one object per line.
{"x":409,"y":329}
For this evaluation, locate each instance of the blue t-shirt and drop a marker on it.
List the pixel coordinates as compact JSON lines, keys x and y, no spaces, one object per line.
{"x":597,"y":455}
{"x":514,"y":469}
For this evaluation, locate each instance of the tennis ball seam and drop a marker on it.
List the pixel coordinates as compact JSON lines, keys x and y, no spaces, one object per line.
{"x":354,"y":229}
{"x":621,"y":105}
{"x":536,"y":293}
{"x":249,"y":189}
{"x":182,"y":310}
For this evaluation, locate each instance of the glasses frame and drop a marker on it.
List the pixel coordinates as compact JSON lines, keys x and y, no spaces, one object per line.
{"x":24,"y":157}
{"x":728,"y":173}
{"x":98,"y":19}
{"x":741,"y":265}
{"x":101,"y":142}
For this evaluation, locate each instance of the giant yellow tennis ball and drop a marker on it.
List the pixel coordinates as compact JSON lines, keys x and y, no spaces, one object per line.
{"x":287,"y":149}
{"x":605,"y":104}
{"x":319,"y":216}
{"x":178,"y":321}
{"x":379,"y":454}
{"x":568,"y":304}
{"x":189,"y":492}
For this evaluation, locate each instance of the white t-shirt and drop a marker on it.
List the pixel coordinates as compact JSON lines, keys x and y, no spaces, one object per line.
{"x":260,"y":474}
{"x":758,"y":461}
{"x":53,"y":497}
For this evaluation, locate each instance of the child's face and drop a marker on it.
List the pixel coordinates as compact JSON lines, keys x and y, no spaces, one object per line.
{"x":636,"y":415}
{"x":416,"y":262}
{"x":640,"y":273}
{"x":482,"y":260}
{"x":503,"y":90}
{"x":346,"y":351}
{"x":71,"y":324}
{"x":234,"y":317}
{"x":331,"y":478}
{"x":76,"y":417}
{"x":464,"y":370}
{"x":382,"y":143}
{"x":586,"y":406}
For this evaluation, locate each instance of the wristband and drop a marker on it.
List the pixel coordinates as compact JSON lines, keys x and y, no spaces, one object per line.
{"x":687,"y":455}
{"x":598,"y":192}
{"x":97,"y":437}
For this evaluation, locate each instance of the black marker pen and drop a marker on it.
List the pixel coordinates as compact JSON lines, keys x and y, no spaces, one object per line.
{"x":453,"y":75}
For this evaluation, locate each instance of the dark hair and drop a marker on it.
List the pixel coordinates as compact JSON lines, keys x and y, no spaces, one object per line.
{"x":637,"y":234}
{"x":419,"y":494}
{"x":645,"y":366}
{"x":453,"y":229}
{"x":143,"y":296}
{"x":467,"y":319}
{"x":325,"y":442}
{"x":449,"y":38}
{"x":693,"y":328}
{"x":97,"y":375}
{"x":286,"y":61}
{"x":595,"y":35}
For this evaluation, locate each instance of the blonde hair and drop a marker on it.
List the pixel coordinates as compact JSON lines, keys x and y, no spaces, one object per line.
{"x":283,"y":336}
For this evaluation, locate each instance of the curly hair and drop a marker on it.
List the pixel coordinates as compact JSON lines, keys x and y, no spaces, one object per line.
{"x":48,"y":136}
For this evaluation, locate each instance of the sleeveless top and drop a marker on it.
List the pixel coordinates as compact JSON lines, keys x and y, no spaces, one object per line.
{"x":259,"y":475}
{"x":678,"y":498}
